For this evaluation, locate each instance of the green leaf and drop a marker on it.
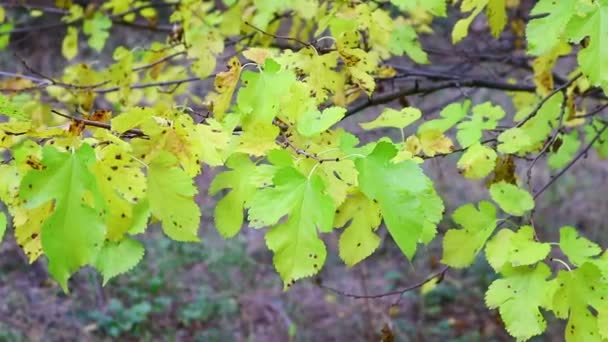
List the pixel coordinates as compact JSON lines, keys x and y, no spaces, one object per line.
{"x":477,"y":161}
{"x":512,"y":199}
{"x":592,"y":58}
{"x":515,"y":249}
{"x":10,"y":109}
{"x":228,"y":214}
{"x":450,"y":116}
{"x":398,"y":188}
{"x":118,"y":257}
{"x":601,"y":144}
{"x":358,"y":241}
{"x":533,"y":134}
{"x":484,"y":116}
{"x":461,"y":28}
{"x":298,"y":251}
{"x":519,"y":297}
{"x":131,"y":118}
{"x":497,"y":16}
{"x":5,"y":28}
{"x":314,"y":122}
{"x":404,"y":40}
{"x":97,"y":28}
{"x":570,"y":144}
{"x":393,"y":118}
{"x":262,"y":92}
{"x":577,"y":248}
{"x":460,"y":246}
{"x":171,"y":196}
{"x":543,"y":34}
{"x":2,"y":225}
{"x":69,"y":46}
{"x":581,"y":293}
{"x":66,"y":179}
{"x":436,"y":7}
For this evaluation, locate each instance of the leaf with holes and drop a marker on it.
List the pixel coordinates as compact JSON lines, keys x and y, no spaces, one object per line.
{"x":519,"y":295}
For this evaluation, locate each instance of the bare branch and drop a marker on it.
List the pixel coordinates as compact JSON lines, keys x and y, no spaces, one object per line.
{"x":438,"y":275}
{"x":573,"y":161}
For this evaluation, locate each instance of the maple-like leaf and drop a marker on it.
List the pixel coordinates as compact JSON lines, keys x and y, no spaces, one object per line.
{"x":358,"y":241}
{"x":171,"y":196}
{"x":314,"y":122}
{"x":460,"y":246}
{"x":511,"y":198}
{"x":450,"y":115}
{"x":544,"y":33}
{"x":484,"y":116}
{"x":581,"y":297}
{"x":519,"y":297}
{"x":394,"y":118}
{"x":398,"y":188}
{"x":118,"y":257}
{"x":477,"y":161}
{"x":228,"y":214}
{"x":592,"y":58}
{"x":515,"y":248}
{"x":262,"y":92}
{"x":298,"y":251}
{"x":578,"y":249}
{"x":67,"y":181}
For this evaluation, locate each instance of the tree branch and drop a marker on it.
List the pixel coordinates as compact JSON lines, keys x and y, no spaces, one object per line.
{"x":440,"y":275}
{"x":573,"y":161}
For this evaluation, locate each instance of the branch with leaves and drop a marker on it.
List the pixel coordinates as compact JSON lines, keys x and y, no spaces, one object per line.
{"x":320,"y":118}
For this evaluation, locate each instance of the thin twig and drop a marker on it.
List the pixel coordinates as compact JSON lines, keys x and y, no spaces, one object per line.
{"x":277,"y":36}
{"x":133,"y":132}
{"x":572,"y":162}
{"x":400,"y":292}
{"x":548,"y":143}
{"x":546,"y":98}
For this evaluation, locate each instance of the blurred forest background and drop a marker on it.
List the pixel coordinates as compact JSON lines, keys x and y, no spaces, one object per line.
{"x":227,"y":290}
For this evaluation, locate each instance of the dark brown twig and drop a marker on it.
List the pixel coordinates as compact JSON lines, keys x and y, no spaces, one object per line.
{"x":131,"y":132}
{"x":573,"y":161}
{"x":400,"y":292}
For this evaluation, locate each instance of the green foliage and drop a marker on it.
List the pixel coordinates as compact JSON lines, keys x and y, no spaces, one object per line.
{"x":519,"y":297}
{"x":78,"y":192}
{"x":406,"y":197}
{"x":512,"y":199}
{"x":460,"y":246}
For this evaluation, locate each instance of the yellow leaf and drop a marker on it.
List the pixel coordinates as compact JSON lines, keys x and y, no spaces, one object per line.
{"x":225,"y":83}
{"x":429,"y":286}
{"x":434,"y":142}
{"x":497,"y":16}
{"x":543,"y":68}
{"x":69,"y":47}
{"x":257,"y":55}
